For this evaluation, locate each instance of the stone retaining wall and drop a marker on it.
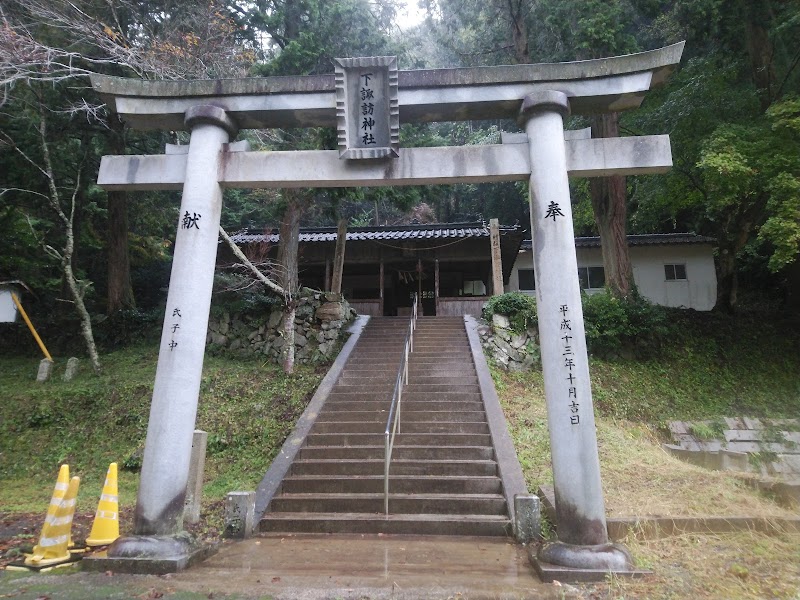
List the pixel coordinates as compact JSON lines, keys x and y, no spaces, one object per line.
{"x":319,"y":320}
{"x":508,"y":349}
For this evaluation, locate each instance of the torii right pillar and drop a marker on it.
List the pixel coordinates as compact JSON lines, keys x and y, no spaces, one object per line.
{"x":580,"y":510}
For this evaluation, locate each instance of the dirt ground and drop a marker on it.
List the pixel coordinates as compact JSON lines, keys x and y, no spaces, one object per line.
{"x":20,"y":531}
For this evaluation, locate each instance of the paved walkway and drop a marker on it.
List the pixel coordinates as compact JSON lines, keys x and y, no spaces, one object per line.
{"x":357,"y":567}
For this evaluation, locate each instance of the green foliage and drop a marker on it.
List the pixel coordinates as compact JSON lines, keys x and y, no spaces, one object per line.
{"x":308,"y":35}
{"x":614,"y":326}
{"x":129,"y":327}
{"x":712,"y":430}
{"x":518,"y":307}
{"x":241,"y":294}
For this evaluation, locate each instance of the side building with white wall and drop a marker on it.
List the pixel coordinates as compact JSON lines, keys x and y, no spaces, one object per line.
{"x":675,"y":269}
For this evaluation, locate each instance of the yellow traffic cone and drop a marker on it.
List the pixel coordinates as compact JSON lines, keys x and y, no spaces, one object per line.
{"x":52,"y":547}
{"x":105,"y":528}
{"x":58,"y":492}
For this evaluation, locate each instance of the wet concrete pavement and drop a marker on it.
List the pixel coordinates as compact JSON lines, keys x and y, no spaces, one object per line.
{"x":369,"y":567}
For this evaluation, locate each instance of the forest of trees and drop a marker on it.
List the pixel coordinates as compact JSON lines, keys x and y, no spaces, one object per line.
{"x":87,"y":256}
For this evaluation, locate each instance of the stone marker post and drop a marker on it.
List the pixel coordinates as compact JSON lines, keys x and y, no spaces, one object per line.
{"x":45,"y":370}
{"x":580,"y":510}
{"x":165,"y":465}
{"x":194,"y":486}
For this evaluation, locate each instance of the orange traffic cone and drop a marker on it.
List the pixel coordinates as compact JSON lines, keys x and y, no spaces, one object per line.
{"x":52,"y":548}
{"x":105,"y":528}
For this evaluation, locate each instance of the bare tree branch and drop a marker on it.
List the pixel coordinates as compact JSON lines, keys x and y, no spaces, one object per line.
{"x":261,"y":277}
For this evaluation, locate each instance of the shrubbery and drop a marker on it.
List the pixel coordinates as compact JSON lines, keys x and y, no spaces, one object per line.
{"x":613,"y":326}
{"x":518,"y":307}
{"x":616,"y":326}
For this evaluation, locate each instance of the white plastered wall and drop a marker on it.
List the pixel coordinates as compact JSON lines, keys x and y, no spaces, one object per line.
{"x":697,"y":291}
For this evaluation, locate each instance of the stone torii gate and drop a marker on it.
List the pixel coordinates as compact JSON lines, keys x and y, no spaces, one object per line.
{"x":366,"y":100}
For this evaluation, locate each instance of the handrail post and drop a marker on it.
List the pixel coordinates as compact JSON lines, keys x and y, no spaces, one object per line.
{"x":399,"y":403}
{"x":386,"y":458}
{"x":405,"y":369}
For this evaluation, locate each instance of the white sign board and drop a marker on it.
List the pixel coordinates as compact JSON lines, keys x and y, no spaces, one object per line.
{"x":8,"y":310}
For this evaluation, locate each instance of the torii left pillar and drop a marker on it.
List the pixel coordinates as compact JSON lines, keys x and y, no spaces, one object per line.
{"x":158,"y":527}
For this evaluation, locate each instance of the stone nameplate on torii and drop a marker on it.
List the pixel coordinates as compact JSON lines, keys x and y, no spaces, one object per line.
{"x":367,"y":114}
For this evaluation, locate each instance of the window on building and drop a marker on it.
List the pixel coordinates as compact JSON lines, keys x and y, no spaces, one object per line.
{"x":591,"y":278}
{"x":526,"y":280}
{"x":675,"y":272}
{"x":474,"y":287}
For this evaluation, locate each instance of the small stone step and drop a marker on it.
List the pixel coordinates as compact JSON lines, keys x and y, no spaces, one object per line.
{"x":456,"y":504}
{"x":405,"y":416}
{"x":399,"y":484}
{"x":411,"y":387}
{"x":399,"y":452}
{"x":398,"y":467}
{"x":338,"y":395}
{"x":348,"y":379}
{"x":401,"y":439}
{"x":471,"y":525}
{"x":446,"y":427}
{"x":407,"y":405}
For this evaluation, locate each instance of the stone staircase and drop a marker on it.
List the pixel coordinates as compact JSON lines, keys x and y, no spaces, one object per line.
{"x":444,"y":478}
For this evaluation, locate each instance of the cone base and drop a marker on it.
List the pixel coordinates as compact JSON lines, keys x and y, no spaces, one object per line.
{"x":94,"y":542}
{"x":44,"y":565}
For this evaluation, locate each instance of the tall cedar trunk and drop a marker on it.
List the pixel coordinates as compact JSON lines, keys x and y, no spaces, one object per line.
{"x":793,"y":287}
{"x":120,"y":290}
{"x":288,"y":252}
{"x":757,"y":18}
{"x":727,"y":268}
{"x":519,"y":32}
{"x":609,"y":203}
{"x":727,"y":279}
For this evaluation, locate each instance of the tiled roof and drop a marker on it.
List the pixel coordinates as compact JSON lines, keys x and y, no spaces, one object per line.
{"x":650,"y":239}
{"x":395,"y":232}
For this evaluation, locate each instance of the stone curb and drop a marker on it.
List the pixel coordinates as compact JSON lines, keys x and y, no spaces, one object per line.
{"x":283,"y":461}
{"x":507,"y":461}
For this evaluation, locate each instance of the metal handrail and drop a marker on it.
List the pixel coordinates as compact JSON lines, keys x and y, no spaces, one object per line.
{"x":393,"y":422}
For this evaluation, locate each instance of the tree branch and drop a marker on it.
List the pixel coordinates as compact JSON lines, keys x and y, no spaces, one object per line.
{"x":261,"y":277}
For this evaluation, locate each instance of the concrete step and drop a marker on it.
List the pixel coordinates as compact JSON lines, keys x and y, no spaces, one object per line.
{"x":407,"y":405}
{"x":455,"y":361}
{"x":399,"y":452}
{"x":347,"y":394}
{"x":401,"y":439}
{"x":472,"y":525}
{"x":398,"y":467}
{"x":348,"y":427}
{"x":363,"y":368}
{"x":450,"y":504}
{"x":406,"y":416}
{"x":388,"y":387}
{"x":347,"y":379}
{"x":398,"y":484}
{"x":386,"y":353}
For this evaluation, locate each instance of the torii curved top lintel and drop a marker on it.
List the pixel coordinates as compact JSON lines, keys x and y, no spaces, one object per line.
{"x":597,"y":85}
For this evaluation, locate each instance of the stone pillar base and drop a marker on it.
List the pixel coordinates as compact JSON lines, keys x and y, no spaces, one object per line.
{"x":557,"y":561}
{"x":152,"y":555}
